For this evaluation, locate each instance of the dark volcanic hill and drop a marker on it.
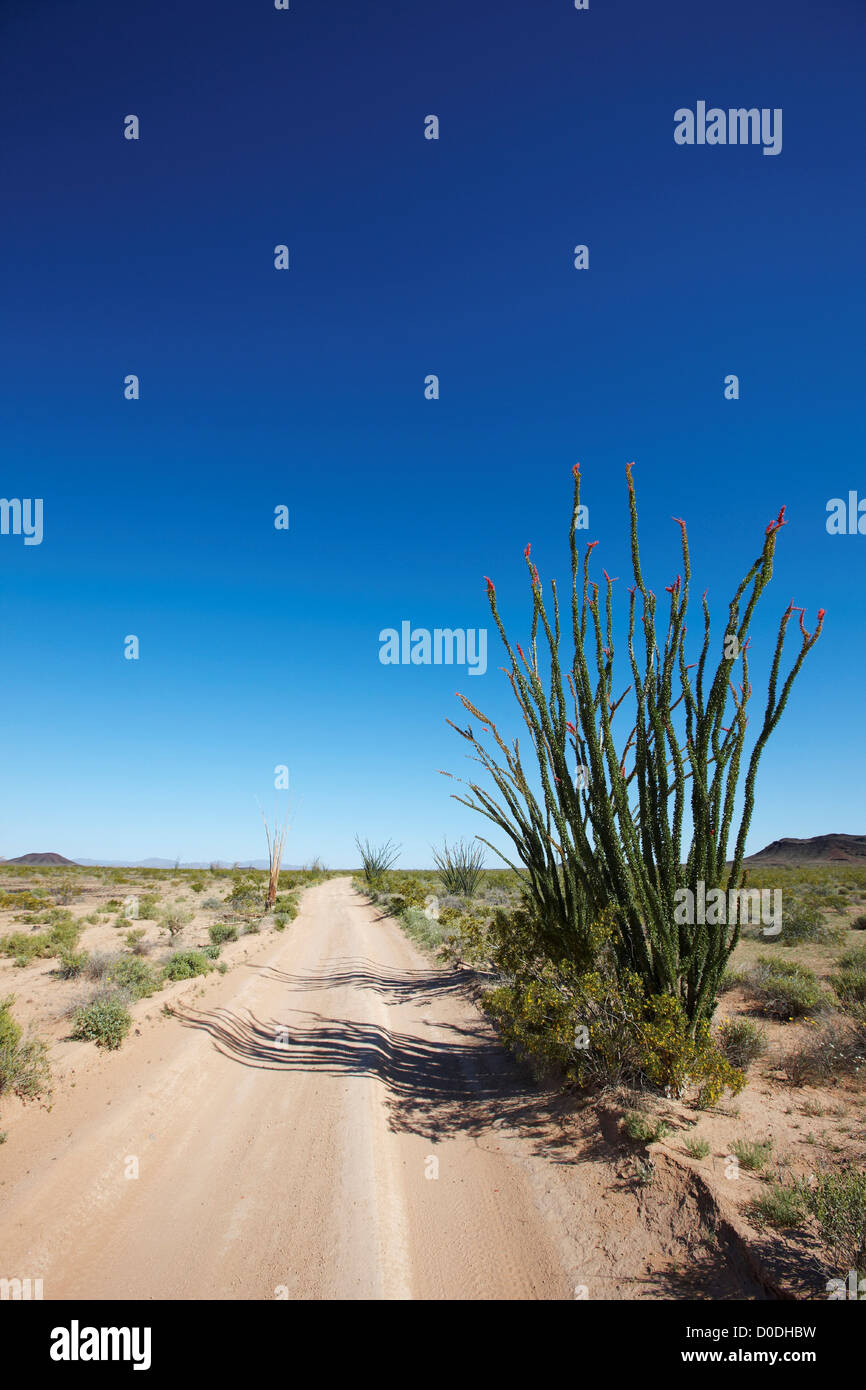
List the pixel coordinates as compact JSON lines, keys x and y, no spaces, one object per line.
{"x":820,"y":849}
{"x":48,"y":858}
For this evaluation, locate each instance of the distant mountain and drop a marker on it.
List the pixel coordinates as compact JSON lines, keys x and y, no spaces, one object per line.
{"x":170,"y":863}
{"x":820,"y":849}
{"x":48,"y":858}
{"x":51,"y":858}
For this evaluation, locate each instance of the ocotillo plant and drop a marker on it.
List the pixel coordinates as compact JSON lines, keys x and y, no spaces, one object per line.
{"x":276,"y":844}
{"x":460,"y":867}
{"x":614,"y":837}
{"x":376,"y":859}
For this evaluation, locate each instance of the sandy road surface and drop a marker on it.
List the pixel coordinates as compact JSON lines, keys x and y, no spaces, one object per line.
{"x":284,"y":1124}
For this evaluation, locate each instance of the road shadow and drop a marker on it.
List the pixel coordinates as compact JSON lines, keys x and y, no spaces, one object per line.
{"x":394,"y":986}
{"x":462,"y":1084}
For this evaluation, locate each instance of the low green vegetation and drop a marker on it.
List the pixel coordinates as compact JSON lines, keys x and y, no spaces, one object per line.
{"x":25,"y":947}
{"x":24,"y":1069}
{"x":222,"y":931}
{"x":741,"y":1041}
{"x":644,"y":1129}
{"x":697,"y":1148}
{"x":173,"y":917}
{"x":752,"y":1154}
{"x":803,"y":920}
{"x":781,"y":1206}
{"x":184,"y":965}
{"x":104,"y":1021}
{"x":837,"y":1200}
{"x":786,"y":990}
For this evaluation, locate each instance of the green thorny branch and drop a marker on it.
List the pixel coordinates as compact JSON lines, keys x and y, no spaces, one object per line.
{"x":615,"y":837}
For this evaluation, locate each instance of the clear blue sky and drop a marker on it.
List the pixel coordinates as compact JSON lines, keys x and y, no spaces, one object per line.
{"x":305,"y":387}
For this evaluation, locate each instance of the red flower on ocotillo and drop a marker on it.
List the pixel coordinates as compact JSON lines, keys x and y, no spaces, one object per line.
{"x":527,"y":550}
{"x":570,"y":727}
{"x":576,"y":470}
{"x":776,"y":525}
{"x":490,"y":588}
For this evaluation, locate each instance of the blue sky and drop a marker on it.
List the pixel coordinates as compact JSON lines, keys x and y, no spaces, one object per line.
{"x":306,"y":388}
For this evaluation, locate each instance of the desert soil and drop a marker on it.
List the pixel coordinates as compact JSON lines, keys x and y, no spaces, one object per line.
{"x":333,"y":1119}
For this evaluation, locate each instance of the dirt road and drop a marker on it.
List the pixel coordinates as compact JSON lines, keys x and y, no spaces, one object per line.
{"x":331,"y":1119}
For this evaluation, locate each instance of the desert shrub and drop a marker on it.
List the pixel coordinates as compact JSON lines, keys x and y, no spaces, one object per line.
{"x":697,"y":1148}
{"x":407,"y":892}
{"x":113,"y":905}
{"x":850,"y":985}
{"x":286,"y":905}
{"x":183,"y":965}
{"x":222,"y":931}
{"x":24,"y":1069}
{"x":837,"y":1200}
{"x":72,"y":964}
{"x":781,"y":1206}
{"x":105,"y":1021}
{"x":99,"y":964}
{"x":731,"y":979}
{"x":803,"y":921}
{"x":213,"y":904}
{"x":136,"y":942}
{"x":849,"y":981}
{"x":248,"y":894}
{"x":134,"y":976}
{"x":675,"y":1054}
{"x":596,"y":1023}
{"x":148,"y":906}
{"x":429,"y":932}
{"x":65,"y":891}
{"x":785,"y":989}
{"x":752,"y":1154}
{"x":741,"y":1041}
{"x":197,"y":885}
{"x":460,"y":868}
{"x":859,"y":923}
{"x":831,"y":1049}
{"x":118,"y":972}
{"x":21,"y":901}
{"x":174,"y":917}
{"x":211,"y":951}
{"x":25,"y":947}
{"x":644,"y":1129}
